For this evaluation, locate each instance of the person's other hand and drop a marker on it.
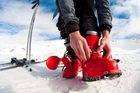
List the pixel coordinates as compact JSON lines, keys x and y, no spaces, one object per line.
{"x":80,"y":46}
{"x":105,"y":45}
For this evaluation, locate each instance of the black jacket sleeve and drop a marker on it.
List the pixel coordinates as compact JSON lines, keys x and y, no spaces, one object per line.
{"x":67,"y":12}
{"x":104,"y":14}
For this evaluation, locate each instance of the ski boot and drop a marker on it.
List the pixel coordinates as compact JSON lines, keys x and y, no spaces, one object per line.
{"x":112,"y":70}
{"x":98,"y":67}
{"x":72,"y":65}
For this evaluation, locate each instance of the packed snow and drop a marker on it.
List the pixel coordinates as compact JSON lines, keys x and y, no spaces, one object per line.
{"x":43,"y":80}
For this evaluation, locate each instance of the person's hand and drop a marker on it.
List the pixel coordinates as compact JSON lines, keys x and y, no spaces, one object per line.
{"x":105,"y":45}
{"x":80,"y":46}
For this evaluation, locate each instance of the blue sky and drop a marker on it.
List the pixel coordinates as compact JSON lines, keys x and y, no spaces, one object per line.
{"x":123,"y":12}
{"x":12,"y":28}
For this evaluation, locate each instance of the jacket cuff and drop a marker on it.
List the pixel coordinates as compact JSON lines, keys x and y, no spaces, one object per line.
{"x":105,"y":27}
{"x":72,"y":27}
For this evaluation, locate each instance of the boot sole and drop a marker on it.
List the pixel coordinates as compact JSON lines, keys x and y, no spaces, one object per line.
{"x":107,"y":76}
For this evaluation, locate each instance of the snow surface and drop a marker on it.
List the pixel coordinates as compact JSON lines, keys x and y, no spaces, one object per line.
{"x":42,"y":80}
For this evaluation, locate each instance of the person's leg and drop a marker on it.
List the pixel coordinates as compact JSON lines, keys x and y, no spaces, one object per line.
{"x":88,"y":25}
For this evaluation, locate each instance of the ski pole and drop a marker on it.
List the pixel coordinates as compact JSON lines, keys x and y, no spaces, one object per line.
{"x":29,"y":39}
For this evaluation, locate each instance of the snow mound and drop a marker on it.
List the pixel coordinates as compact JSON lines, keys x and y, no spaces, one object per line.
{"x":42,"y":80}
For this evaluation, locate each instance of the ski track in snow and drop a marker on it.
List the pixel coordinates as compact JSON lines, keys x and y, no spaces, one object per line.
{"x":43,"y":80}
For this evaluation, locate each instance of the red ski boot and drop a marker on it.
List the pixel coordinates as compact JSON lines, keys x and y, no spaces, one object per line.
{"x":93,"y":69}
{"x":112,"y":70}
{"x":97,"y":67}
{"x":72,"y":65}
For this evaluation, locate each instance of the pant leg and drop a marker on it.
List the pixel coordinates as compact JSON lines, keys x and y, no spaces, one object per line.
{"x":88,"y":24}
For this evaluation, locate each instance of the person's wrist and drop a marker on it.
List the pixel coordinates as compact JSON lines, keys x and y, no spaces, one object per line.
{"x":73,"y":34}
{"x":105,"y":34}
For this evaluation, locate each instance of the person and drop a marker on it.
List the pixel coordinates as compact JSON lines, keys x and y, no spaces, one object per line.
{"x":77,"y":19}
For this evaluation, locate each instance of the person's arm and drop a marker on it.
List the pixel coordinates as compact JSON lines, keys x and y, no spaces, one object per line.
{"x":67,"y":12}
{"x":105,"y":25}
{"x":104,"y":15}
{"x":105,"y":44}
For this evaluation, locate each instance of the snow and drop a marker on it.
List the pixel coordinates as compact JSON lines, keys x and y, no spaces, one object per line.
{"x":43,"y":80}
